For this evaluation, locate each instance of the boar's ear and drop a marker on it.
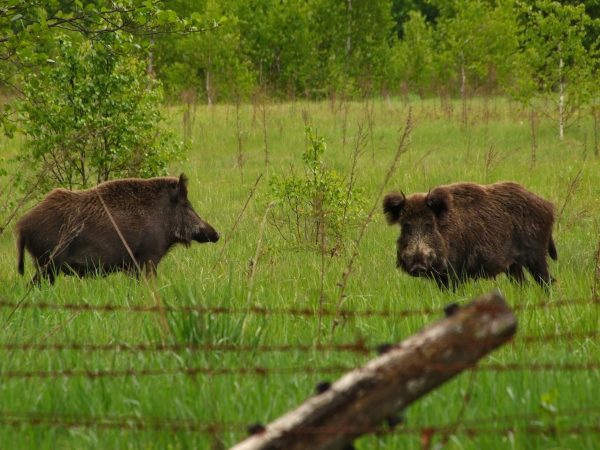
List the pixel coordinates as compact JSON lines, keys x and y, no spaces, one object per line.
{"x":392,"y":206}
{"x":182,"y":186}
{"x":439,"y":201}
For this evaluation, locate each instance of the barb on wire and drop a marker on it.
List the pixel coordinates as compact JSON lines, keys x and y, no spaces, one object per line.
{"x":268,"y":371}
{"x":358,"y":346}
{"x":263,"y":310}
{"x":529,"y":423}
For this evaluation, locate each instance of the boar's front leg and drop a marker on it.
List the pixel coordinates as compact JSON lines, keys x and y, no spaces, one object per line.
{"x":443,"y":281}
{"x":44,"y":272}
{"x":538,"y":267}
{"x":515,"y":273}
{"x":148,"y":267}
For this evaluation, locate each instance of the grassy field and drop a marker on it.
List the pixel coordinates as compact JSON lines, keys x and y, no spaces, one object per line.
{"x":253,"y":266}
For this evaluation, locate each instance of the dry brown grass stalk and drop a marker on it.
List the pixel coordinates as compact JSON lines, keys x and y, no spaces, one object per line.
{"x":148,"y":275}
{"x":228,"y":236}
{"x":533,"y":129}
{"x":596,"y":281}
{"x":571,"y":190}
{"x":240,"y":139}
{"x":401,"y":149}
{"x":254,"y":261}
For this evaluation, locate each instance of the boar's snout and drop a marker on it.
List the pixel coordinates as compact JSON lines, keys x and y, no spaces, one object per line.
{"x":418,"y":270}
{"x":206,"y":233}
{"x":417,"y":261}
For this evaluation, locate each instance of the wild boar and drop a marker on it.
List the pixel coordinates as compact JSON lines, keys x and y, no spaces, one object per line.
{"x":467,"y":230}
{"x":127,"y":225}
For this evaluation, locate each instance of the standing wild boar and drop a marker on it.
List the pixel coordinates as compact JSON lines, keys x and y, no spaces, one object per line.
{"x":467,"y":230}
{"x":126,"y":224}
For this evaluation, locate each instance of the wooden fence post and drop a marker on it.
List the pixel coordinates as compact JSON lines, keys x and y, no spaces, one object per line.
{"x":362,"y":399}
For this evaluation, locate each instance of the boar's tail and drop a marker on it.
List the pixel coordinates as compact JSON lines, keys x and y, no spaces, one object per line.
{"x":552,"y":249}
{"x":20,"y":250}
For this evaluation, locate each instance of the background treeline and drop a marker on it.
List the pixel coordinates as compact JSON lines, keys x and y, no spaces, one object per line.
{"x":319,"y":48}
{"x":85,"y":82}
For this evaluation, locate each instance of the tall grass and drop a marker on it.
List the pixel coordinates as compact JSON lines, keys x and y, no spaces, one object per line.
{"x":261,"y":268}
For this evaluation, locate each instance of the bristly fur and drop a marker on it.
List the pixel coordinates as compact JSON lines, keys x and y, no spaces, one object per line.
{"x":392,"y":206}
{"x":79,"y":226}
{"x":468,"y":230}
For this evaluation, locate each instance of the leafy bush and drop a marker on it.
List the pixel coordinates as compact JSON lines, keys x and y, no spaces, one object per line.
{"x":318,"y":208}
{"x":91,"y":114}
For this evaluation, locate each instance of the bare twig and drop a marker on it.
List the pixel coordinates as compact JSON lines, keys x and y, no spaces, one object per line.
{"x":491,"y":157}
{"x":239,"y":134}
{"x":533,"y":127}
{"x":595,"y":115}
{"x":118,"y":231}
{"x":148,"y":277}
{"x":359,"y":149}
{"x":229,"y":235}
{"x":452,"y":428}
{"x":254,"y":261}
{"x":60,"y":326}
{"x":263,"y":114}
{"x":402,"y":148}
{"x":322,"y":273}
{"x":26,"y":197}
{"x":596,"y":281}
{"x":571,"y":189}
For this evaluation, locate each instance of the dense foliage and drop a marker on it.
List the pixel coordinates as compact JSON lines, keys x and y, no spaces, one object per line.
{"x":80,"y":89}
{"x":318,"y":207}
{"x":319,"y":48}
{"x":99,"y":112}
{"x":229,"y":49}
{"x":90,"y":117}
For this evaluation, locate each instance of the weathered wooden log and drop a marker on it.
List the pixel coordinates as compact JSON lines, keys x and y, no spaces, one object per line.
{"x":362,"y":399}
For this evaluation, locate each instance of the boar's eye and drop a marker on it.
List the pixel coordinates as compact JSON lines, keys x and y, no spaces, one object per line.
{"x":428,"y":227}
{"x":406,"y":228}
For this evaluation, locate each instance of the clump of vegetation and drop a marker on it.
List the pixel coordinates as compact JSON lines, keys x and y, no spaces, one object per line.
{"x":91,"y":114}
{"x":318,"y":208}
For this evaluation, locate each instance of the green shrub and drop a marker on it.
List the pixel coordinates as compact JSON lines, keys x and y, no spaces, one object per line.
{"x":317,"y":208}
{"x":91,"y":114}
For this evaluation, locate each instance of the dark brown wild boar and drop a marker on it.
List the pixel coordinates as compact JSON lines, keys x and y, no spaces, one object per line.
{"x":127,"y":224}
{"x":467,"y":230}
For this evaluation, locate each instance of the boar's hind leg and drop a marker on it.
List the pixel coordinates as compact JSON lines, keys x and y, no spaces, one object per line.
{"x":539,"y":269}
{"x":44,"y":272}
{"x":515,"y":273}
{"x":149,"y":268}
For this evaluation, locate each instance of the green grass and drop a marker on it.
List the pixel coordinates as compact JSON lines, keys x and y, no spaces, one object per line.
{"x":440,"y":151}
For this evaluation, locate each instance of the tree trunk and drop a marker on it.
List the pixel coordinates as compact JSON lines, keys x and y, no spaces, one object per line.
{"x":561,"y":97}
{"x":348,"y":30}
{"x":362,"y":399}
{"x":208,"y":83}
{"x":150,"y":68}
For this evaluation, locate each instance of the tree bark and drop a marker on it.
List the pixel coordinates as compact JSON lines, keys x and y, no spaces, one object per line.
{"x":359,"y":401}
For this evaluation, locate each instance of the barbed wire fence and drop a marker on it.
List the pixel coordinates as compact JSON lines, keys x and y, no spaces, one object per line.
{"x":263,"y":436}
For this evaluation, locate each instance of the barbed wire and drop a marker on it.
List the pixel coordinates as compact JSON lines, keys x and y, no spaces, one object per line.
{"x":495,"y":426}
{"x":293,"y":370}
{"x":359,"y":346}
{"x":529,"y":423}
{"x":265,"y":311}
